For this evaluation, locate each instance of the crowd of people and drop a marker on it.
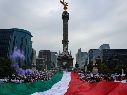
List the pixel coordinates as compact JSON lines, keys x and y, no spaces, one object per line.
{"x":31,"y":77}
{"x":47,"y":75}
{"x":90,"y":77}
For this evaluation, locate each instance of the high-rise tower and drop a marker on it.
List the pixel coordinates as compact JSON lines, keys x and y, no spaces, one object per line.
{"x":65,"y":59}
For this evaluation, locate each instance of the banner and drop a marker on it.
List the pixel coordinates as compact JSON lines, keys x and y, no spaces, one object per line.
{"x":60,"y":88}
{"x":29,"y":88}
{"x":78,"y":87}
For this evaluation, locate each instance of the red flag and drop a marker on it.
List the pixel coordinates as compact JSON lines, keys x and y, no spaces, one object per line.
{"x":78,"y":87}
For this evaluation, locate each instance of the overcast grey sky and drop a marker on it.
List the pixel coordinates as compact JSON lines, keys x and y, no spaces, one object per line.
{"x":92,"y":22}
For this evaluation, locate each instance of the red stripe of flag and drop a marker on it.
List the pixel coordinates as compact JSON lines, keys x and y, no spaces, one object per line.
{"x":78,"y":87}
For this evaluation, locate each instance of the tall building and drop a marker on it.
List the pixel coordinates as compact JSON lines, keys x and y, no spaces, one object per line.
{"x":46,"y":56}
{"x":116,"y":55}
{"x":81,"y":58}
{"x":33,"y":58}
{"x":114,"y":59}
{"x":15,"y":38}
{"x":93,"y":54}
{"x":40,"y":64}
{"x":54,"y":59}
{"x":104,"y":46}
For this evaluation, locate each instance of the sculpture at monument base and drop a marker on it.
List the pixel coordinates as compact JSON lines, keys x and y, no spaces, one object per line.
{"x":65,"y":60}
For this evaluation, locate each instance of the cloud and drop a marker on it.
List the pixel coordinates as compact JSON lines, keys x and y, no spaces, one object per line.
{"x":91,"y":23}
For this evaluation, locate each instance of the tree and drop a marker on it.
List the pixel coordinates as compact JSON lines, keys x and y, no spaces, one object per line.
{"x":90,"y":67}
{"x":119,"y":67}
{"x":5,"y":67}
{"x":26,"y":66}
{"x":103,"y":68}
{"x":76,"y":65}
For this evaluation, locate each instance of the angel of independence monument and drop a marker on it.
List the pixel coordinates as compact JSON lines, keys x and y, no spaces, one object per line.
{"x":65,"y":60}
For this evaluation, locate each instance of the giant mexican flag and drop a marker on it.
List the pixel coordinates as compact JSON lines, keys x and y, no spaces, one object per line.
{"x":66,"y":83}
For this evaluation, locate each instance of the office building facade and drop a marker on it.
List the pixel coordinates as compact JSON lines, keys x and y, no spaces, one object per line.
{"x":104,"y":46}
{"x":81,"y":59}
{"x":46,"y":56}
{"x":93,"y":54}
{"x":54,"y":56}
{"x":116,"y":55}
{"x":15,"y":38}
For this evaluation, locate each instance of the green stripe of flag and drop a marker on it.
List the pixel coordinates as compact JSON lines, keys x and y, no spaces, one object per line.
{"x":29,"y":88}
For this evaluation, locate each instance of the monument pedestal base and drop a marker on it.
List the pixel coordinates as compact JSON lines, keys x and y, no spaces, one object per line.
{"x":65,"y":61}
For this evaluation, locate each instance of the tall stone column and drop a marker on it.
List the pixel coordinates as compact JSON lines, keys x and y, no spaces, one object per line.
{"x":65,"y":60}
{"x":65,"y":17}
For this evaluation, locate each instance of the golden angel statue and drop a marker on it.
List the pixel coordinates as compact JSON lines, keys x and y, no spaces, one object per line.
{"x":65,"y":4}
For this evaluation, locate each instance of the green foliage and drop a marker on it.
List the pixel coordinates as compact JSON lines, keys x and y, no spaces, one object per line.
{"x":5,"y":67}
{"x":118,"y":68}
{"x":111,"y":67}
{"x":76,"y":65}
{"x":26,"y":66}
{"x":103,"y":68}
{"x":90,"y":67}
{"x":40,"y":67}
